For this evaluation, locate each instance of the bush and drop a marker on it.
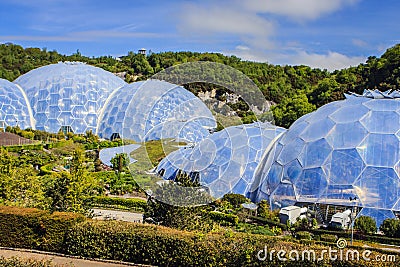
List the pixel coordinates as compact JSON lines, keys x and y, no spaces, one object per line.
{"x":223,"y":218}
{"x":303,"y":235}
{"x":143,"y":243}
{"x":390,"y":227}
{"x":35,"y":229}
{"x":134,"y":204}
{"x":328,"y":238}
{"x":365,"y":224}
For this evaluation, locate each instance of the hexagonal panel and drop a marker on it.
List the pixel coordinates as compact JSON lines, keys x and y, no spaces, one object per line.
{"x":348,"y":114}
{"x":378,"y":187}
{"x":283,"y":196}
{"x":339,"y":137}
{"x":292,"y":171}
{"x":381,"y":150}
{"x":381,"y":121}
{"x":310,"y":184}
{"x":317,"y":130}
{"x":346,"y":166}
{"x":383,"y":104}
{"x":291,"y":151}
{"x":315,"y":153}
{"x":339,"y":195}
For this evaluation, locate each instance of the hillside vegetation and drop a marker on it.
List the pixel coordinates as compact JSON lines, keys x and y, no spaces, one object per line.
{"x":296,"y":90}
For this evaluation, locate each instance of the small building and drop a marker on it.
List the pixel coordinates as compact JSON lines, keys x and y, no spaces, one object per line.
{"x":142,"y":51}
{"x":291,"y":213}
{"x":341,"y":220}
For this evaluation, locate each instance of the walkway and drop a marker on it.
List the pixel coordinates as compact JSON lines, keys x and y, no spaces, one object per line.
{"x":126,"y":216}
{"x":107,"y":154}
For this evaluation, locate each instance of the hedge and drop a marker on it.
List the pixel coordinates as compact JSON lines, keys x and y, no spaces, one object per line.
{"x":223,"y":218}
{"x":269,"y":222}
{"x":134,"y":204}
{"x":358,"y":236}
{"x":35,"y":229}
{"x":24,"y":147}
{"x":144,"y":243}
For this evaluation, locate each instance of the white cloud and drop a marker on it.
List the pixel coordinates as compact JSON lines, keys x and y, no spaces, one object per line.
{"x":330,"y":61}
{"x":359,"y":43}
{"x":296,"y":9}
{"x":226,"y":20}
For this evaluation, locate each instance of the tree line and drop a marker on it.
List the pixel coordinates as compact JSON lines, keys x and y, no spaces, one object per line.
{"x":295,"y":90}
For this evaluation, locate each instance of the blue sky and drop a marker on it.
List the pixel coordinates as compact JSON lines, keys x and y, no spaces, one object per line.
{"x":328,"y":34}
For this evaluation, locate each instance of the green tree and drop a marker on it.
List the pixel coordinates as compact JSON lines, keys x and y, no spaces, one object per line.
{"x":390,"y":227}
{"x":365,"y":224}
{"x":120,"y":162}
{"x":73,"y":191}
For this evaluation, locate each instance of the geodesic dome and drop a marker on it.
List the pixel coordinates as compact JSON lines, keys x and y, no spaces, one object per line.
{"x":225,"y":161}
{"x":14,"y":106}
{"x":155,"y":109}
{"x":345,"y":149}
{"x":69,"y":94}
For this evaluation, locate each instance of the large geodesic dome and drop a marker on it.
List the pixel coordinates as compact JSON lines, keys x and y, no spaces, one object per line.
{"x":70,"y":94}
{"x":225,"y":161}
{"x":14,"y":106}
{"x":346,"y":150}
{"x":155,"y":109}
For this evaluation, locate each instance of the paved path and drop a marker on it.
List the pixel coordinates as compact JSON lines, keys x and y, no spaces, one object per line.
{"x":103,"y":214}
{"x":60,"y":260}
{"x":107,"y":154}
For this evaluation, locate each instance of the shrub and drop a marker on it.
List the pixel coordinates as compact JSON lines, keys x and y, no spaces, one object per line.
{"x":135,"y":204}
{"x":328,"y":238}
{"x":303,"y":235}
{"x":365,"y":224}
{"x":33,"y":228}
{"x":390,"y":227}
{"x":223,"y":218}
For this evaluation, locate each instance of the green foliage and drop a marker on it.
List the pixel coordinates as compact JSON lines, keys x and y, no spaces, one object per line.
{"x":144,"y":243}
{"x":73,"y":191}
{"x":120,"y":162}
{"x":365,"y":224}
{"x":18,"y":262}
{"x":303,"y":235}
{"x":223,"y":218}
{"x":235,"y":199}
{"x":328,"y":238}
{"x":133,"y":204}
{"x":35,"y":229}
{"x":256,"y":229}
{"x":390,"y":227}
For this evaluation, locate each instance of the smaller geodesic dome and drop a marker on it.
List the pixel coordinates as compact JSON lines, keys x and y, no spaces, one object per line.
{"x":346,"y":153}
{"x":14,"y":106}
{"x":155,"y":109}
{"x":68,"y":95}
{"x":224,"y":161}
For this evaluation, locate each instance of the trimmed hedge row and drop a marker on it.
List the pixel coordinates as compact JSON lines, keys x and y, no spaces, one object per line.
{"x":371,"y":238}
{"x":24,"y":147}
{"x":143,"y":243}
{"x":269,"y":222}
{"x":134,"y":204}
{"x":35,"y":229}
